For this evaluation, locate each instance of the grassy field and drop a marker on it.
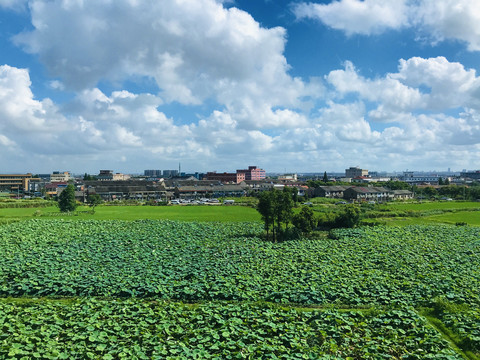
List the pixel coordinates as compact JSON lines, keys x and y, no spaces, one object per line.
{"x":432,"y":205}
{"x":410,"y":213}
{"x":184,"y":213}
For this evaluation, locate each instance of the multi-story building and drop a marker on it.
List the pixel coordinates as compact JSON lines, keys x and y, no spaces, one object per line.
{"x":58,"y":176}
{"x":170,"y":173}
{"x":153,"y":173}
{"x":354,"y":172}
{"x":226,"y":177}
{"x":15,"y":182}
{"x":475,"y":175}
{"x":105,"y":175}
{"x":252,"y":173}
{"x":410,"y":178}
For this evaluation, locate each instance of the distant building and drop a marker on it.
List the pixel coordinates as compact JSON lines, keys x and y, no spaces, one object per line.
{"x":15,"y":182}
{"x":58,"y":176}
{"x":330,"y":191}
{"x":354,"y":172}
{"x":474,"y":175}
{"x":367,"y":193}
{"x":287,"y":177}
{"x":410,"y":178}
{"x":170,"y":173}
{"x":252,"y":173}
{"x":226,"y":177}
{"x":153,"y":173}
{"x":219,"y":190}
{"x":108,"y":175}
{"x":124,"y":190}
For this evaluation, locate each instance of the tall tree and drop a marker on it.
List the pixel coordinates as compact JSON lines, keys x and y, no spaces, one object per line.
{"x":66,"y":199}
{"x":265,"y":208}
{"x":325,"y":177}
{"x":276,"y":209}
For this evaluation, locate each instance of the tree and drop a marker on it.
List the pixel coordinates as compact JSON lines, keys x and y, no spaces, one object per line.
{"x":284,"y":208}
{"x":325,"y":177}
{"x":94,"y":200}
{"x":89,"y":177}
{"x":265,"y":208}
{"x":66,"y":199}
{"x":276,"y":208}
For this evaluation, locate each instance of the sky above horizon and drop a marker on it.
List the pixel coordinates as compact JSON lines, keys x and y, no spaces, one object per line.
{"x":289,"y":86}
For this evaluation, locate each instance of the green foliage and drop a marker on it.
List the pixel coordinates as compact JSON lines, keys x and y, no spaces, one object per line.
{"x":305,"y":220}
{"x":94,"y":200}
{"x":229,"y":261}
{"x":66,"y":199}
{"x":265,"y":208}
{"x":17,"y":204}
{"x":89,"y":177}
{"x":349,"y":218}
{"x":398,"y":268}
{"x":325,"y":177}
{"x":135,"y":329}
{"x":276,"y":210}
{"x":346,"y":217}
{"x":462,"y":320}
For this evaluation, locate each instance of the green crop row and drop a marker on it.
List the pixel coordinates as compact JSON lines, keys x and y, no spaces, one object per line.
{"x":462,"y":321}
{"x":136,"y":329}
{"x":229,"y":261}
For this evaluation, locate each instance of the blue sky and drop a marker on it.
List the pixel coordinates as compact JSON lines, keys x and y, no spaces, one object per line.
{"x":299,"y":86}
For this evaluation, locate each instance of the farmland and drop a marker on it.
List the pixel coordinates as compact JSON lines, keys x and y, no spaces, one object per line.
{"x":218,"y":290}
{"x":183,"y":213}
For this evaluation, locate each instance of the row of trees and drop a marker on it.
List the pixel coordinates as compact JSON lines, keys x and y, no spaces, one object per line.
{"x":276,"y":209}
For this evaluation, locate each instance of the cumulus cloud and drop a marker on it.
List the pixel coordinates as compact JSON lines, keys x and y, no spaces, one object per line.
{"x":194,"y":50}
{"x":450,"y":19}
{"x":449,"y":84}
{"x":357,"y":17}
{"x":389,"y":91}
{"x":438,"y":20}
{"x":433,"y":84}
{"x":223,"y":62}
{"x":18,"y":108}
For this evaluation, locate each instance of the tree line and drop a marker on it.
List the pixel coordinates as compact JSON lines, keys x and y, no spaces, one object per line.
{"x":280,"y":221}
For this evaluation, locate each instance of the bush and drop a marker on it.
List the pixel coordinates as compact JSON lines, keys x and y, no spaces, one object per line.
{"x":304,"y":221}
{"x":349,"y":218}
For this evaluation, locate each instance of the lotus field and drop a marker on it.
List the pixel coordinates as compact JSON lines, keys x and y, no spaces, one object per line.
{"x":153,"y":289}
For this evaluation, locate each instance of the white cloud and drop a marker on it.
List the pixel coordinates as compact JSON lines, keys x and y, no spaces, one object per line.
{"x":5,"y":141}
{"x":357,"y":17}
{"x":450,"y":19}
{"x":14,"y":4}
{"x":450,"y":85}
{"x":439,"y":20}
{"x":388,"y":91}
{"x":194,"y":50}
{"x":19,"y":110}
{"x":433,"y":84}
